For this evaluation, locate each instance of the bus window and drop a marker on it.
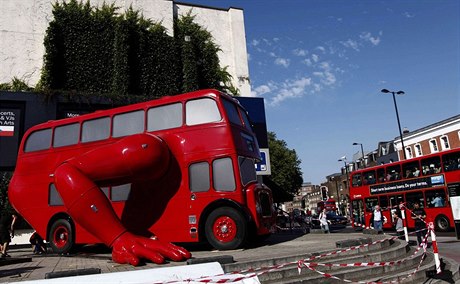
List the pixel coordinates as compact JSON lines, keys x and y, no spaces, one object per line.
{"x":232,"y":112}
{"x":128,"y":123}
{"x":380,"y":175}
{"x":451,"y":161}
{"x":54,"y":198}
{"x":201,"y":111}
{"x":435,"y":198}
{"x":394,"y":172}
{"x":222,"y":175}
{"x":411,"y":169}
{"x":395,"y":200}
{"x":356,"y":180}
{"x":38,"y":140}
{"x":431,"y":166}
{"x":199,"y":177}
{"x":369,"y":177}
{"x":164,"y":117}
{"x":95,"y":129}
{"x":247,"y":170}
{"x":66,"y":135}
{"x":383,"y":201}
{"x":414,"y":197}
{"x":370,"y":203}
{"x":121,"y":192}
{"x":245,"y":117}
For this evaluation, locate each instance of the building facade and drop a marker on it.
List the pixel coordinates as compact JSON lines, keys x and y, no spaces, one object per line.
{"x":23,"y":25}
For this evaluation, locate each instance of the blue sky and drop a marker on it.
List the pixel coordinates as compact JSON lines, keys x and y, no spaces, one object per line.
{"x":320,"y":66}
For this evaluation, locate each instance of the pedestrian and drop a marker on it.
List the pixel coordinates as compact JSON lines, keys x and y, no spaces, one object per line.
{"x":324,"y":222}
{"x":398,"y":225}
{"x":7,"y":221}
{"x":38,"y":245}
{"x":377,"y":218}
{"x":419,"y":216}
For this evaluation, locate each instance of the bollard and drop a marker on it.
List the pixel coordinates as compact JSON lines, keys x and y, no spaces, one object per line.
{"x":403,"y":217}
{"x":435,"y":248}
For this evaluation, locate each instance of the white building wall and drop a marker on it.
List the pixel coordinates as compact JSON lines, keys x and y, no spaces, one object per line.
{"x":23,"y":25}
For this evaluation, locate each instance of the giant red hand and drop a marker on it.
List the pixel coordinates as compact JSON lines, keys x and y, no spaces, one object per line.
{"x":129,"y":248}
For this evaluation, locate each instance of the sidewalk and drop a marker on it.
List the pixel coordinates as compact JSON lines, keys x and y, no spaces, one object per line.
{"x":100,"y":257}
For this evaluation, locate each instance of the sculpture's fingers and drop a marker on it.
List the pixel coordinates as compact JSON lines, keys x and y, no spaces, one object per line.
{"x":125,"y":257}
{"x":147,"y":253}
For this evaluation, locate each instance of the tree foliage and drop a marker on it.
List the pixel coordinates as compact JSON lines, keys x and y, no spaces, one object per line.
{"x":100,"y":51}
{"x":285,"y":165}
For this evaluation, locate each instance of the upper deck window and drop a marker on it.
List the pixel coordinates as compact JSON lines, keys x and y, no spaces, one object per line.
{"x":38,"y":140}
{"x":66,"y":135}
{"x":232,"y":112}
{"x":164,"y":117}
{"x":245,"y":117}
{"x":128,"y":123}
{"x":96,"y":129}
{"x":202,"y":111}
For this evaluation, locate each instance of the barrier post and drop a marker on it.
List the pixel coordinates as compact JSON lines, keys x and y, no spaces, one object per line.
{"x":435,"y":248}
{"x":402,"y":208}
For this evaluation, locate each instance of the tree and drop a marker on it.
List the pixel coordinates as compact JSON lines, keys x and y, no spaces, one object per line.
{"x":285,"y":165}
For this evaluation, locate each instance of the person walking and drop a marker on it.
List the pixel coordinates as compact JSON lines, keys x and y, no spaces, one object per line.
{"x":398,"y":225}
{"x":323,"y":221}
{"x":377,"y":218}
{"x":7,"y":221}
{"x":419,"y":216}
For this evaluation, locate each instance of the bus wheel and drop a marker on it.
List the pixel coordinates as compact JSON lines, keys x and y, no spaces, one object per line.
{"x":441,"y":223}
{"x":226,"y":228}
{"x":61,"y":236}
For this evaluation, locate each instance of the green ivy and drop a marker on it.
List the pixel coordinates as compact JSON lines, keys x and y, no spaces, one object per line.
{"x":99,"y":52}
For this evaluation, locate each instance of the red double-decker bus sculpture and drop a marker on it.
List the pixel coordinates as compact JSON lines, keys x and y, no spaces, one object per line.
{"x":137,"y":178}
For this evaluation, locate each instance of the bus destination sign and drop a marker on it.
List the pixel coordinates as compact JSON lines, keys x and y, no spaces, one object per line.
{"x":417,"y":183}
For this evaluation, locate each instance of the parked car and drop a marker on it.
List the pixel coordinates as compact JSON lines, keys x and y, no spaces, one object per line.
{"x":336,"y":220}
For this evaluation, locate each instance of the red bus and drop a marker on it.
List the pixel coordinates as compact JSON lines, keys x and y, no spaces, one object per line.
{"x":207,"y":192}
{"x":424,"y":180}
{"x":329,"y":204}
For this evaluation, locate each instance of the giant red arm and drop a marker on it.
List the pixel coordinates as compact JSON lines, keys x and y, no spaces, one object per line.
{"x":135,"y":157}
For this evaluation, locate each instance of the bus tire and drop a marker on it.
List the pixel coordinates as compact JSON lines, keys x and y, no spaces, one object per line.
{"x":441,"y":223}
{"x":61,"y":236}
{"x":226,"y":228}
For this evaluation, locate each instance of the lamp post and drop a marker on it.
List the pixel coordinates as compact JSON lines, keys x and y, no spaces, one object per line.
{"x":397,"y":117}
{"x":344,"y":160}
{"x":362,"y":152}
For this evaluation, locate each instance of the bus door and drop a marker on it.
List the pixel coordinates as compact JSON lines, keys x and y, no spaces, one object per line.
{"x":393,"y":203}
{"x":357,"y":207}
{"x":386,"y":211}
{"x":370,"y":205}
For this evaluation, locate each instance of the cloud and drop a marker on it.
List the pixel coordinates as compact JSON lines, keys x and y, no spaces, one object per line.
{"x":291,"y":89}
{"x":282,"y":61}
{"x":255,"y":42}
{"x":261,"y":90}
{"x":315,"y":57}
{"x":321,"y":48}
{"x":408,"y":15}
{"x":367,"y":37}
{"x":349,"y":43}
{"x":300,"y":52}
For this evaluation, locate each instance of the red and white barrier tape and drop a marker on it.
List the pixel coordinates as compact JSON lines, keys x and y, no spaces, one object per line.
{"x":253,"y":272}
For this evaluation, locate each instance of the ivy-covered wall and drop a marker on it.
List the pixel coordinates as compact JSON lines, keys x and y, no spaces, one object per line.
{"x":99,"y":51}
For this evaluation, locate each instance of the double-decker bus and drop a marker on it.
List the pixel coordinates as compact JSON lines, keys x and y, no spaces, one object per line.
{"x":208,"y":191}
{"x":422,"y":180}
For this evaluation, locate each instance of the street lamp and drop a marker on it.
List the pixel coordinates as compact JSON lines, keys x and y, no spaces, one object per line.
{"x":397,"y":117}
{"x":344,"y":160}
{"x":362,"y":152}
